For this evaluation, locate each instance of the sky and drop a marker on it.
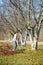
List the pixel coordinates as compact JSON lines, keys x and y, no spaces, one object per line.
{"x":1,"y":2}
{"x":35,"y":3}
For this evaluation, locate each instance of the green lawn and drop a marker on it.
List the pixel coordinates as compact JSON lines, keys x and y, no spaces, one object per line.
{"x":26,"y":57}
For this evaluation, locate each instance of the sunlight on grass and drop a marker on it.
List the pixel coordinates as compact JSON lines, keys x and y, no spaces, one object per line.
{"x":26,"y":57}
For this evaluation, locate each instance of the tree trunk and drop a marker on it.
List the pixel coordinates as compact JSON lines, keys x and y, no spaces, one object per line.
{"x":23,"y":38}
{"x":34,"y":42}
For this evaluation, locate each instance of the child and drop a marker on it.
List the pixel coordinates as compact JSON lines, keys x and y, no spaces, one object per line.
{"x":15,"y":41}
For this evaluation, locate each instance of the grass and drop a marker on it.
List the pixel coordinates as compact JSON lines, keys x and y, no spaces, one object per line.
{"x":26,"y":57}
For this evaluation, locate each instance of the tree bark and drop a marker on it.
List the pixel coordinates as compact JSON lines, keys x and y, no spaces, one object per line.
{"x":23,"y":38}
{"x":33,"y":39}
{"x":34,"y":43}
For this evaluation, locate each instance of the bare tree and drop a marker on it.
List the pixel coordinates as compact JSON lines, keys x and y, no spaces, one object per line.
{"x":35,"y":18}
{"x":24,"y":15}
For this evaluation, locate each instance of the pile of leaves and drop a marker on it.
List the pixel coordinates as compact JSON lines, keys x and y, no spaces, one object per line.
{"x":6,"y":48}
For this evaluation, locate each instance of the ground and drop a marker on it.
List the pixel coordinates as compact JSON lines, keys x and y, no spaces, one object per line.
{"x":22,"y":56}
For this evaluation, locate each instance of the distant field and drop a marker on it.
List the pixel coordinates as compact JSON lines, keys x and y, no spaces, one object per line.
{"x":25,"y":56}
{"x":40,"y":35}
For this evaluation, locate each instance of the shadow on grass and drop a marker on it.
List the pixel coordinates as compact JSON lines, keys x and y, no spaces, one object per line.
{"x":19,"y":51}
{"x":4,"y":51}
{"x":40,"y":49}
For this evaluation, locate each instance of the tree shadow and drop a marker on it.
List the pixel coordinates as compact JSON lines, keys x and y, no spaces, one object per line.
{"x":40,"y":49}
{"x":10,"y":52}
{"x":19,"y":51}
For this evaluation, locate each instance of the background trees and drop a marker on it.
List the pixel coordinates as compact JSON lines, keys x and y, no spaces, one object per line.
{"x":21,"y":15}
{"x":35,"y":21}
